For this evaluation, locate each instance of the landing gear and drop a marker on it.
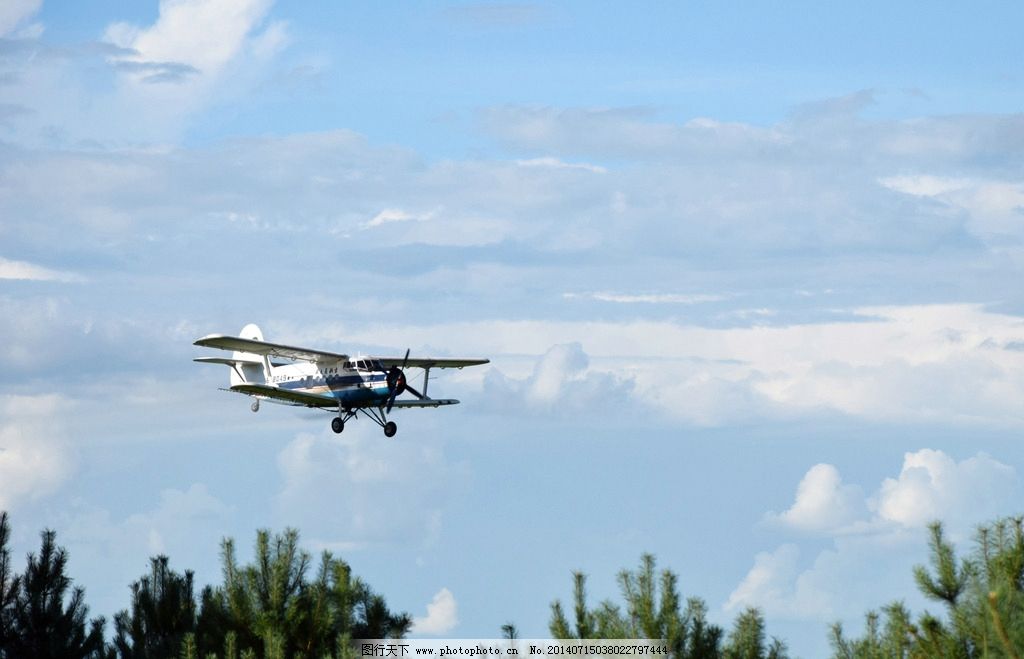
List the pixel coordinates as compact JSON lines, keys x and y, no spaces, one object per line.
{"x":377,"y":415}
{"x":255,"y":407}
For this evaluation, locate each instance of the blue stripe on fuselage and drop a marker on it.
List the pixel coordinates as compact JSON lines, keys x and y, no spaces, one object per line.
{"x":346,"y":388}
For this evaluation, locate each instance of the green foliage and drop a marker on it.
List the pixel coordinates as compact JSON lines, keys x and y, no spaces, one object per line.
{"x":44,"y":617}
{"x":9,"y":585}
{"x":269,"y":609}
{"x":271,"y":606}
{"x":983,"y":598}
{"x":747,"y":639}
{"x":163,"y":613}
{"x":652,"y":610}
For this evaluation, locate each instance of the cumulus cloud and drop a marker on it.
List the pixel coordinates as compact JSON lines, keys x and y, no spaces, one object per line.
{"x":204,"y":35}
{"x":932,"y":485}
{"x":880,"y":534}
{"x":776,"y":585}
{"x":823,"y":502}
{"x":34,"y":457}
{"x":442,"y":615}
{"x":562,"y":381}
{"x":142,"y":83}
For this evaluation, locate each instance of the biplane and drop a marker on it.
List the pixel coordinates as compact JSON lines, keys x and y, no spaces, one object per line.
{"x":347,"y":386}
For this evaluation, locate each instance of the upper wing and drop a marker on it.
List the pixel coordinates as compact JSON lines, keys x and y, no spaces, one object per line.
{"x":263,"y":348}
{"x":286,"y":395}
{"x":427,"y":362}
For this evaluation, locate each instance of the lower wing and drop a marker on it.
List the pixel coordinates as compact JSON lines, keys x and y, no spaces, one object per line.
{"x":319,"y":400}
{"x":285,"y":395}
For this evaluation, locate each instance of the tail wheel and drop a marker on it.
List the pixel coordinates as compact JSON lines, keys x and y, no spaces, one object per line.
{"x":390,"y":428}
{"x":337,"y":425}
{"x":255,"y":407}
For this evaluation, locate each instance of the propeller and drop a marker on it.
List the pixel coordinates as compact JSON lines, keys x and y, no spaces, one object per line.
{"x":397,"y":383}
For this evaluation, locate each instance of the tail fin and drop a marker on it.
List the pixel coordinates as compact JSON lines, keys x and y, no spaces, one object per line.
{"x":251,"y":368}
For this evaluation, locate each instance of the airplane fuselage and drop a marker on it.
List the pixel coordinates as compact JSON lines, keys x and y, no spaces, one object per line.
{"x":359,"y":381}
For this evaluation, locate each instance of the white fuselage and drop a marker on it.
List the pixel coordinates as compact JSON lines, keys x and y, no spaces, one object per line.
{"x":361,"y":380}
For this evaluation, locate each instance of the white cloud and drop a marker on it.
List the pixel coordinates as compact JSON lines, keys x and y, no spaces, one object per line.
{"x":995,"y":208}
{"x":562,"y":381}
{"x":932,"y":485}
{"x":29,"y":271}
{"x":14,"y":12}
{"x":924,"y":363}
{"x":204,"y":34}
{"x":823,"y":502}
{"x":395,"y":215}
{"x":880,"y":535}
{"x":142,"y":84}
{"x":776,"y":585}
{"x":34,"y":457}
{"x":442,"y":615}
{"x":555,"y":163}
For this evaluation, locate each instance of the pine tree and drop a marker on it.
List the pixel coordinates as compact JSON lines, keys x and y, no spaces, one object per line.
{"x":42,"y":626}
{"x":273,"y":609}
{"x":163,"y":612}
{"x":983,"y":598}
{"x":747,"y":639}
{"x":9,"y":584}
{"x":651,"y":610}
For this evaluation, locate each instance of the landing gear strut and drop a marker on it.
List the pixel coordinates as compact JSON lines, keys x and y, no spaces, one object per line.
{"x":376,"y":414}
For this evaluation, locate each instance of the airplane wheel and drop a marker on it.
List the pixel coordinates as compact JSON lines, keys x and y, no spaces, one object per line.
{"x":390,"y":428}
{"x":255,"y":407}
{"x":337,"y":425}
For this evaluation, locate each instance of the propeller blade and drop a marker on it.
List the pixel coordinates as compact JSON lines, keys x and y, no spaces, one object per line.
{"x":397,"y":382}
{"x":408,"y":387}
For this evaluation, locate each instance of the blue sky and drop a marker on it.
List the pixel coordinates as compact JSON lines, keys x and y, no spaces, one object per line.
{"x":747,"y":276}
